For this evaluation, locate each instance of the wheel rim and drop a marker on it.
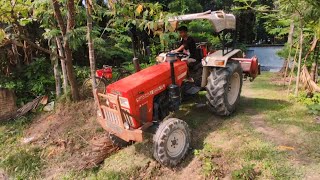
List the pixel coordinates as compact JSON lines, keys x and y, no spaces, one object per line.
{"x":233,"y":88}
{"x":176,"y":143}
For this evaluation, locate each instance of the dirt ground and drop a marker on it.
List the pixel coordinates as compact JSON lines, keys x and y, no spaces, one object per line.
{"x":269,"y":137}
{"x":68,"y":137}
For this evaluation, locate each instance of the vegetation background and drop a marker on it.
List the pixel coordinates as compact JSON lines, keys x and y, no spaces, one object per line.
{"x":31,"y":34}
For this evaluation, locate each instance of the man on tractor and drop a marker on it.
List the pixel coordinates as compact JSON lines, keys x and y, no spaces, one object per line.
{"x":187,"y":45}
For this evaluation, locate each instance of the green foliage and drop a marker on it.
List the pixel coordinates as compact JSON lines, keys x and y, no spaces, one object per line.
{"x":312,"y":102}
{"x":13,"y":10}
{"x":34,"y":80}
{"x":203,"y":31}
{"x":314,"y":109}
{"x":185,"y":6}
{"x":82,"y":73}
{"x":307,"y":99}
{"x":39,"y":77}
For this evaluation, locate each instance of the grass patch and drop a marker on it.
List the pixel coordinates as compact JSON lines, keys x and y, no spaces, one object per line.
{"x":245,"y":173}
{"x":23,"y":163}
{"x":206,"y":156}
{"x":19,"y":161}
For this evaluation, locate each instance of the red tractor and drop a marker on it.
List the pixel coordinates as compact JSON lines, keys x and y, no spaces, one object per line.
{"x":132,"y":105}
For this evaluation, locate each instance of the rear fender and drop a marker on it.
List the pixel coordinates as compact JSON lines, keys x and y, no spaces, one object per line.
{"x":217,"y":59}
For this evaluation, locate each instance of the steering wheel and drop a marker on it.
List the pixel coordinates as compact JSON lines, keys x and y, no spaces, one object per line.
{"x":181,"y":55}
{"x":106,"y":66}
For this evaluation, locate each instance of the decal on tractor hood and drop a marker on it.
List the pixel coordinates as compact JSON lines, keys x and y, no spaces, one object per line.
{"x":153,"y":91}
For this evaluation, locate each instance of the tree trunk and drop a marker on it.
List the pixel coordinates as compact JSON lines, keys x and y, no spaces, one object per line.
{"x":292,"y":69}
{"x":67,"y":49}
{"x":299,"y":62}
{"x":313,"y":71}
{"x":314,"y":67}
{"x":90,"y":45}
{"x":56,"y":72}
{"x":290,"y":40}
{"x":63,"y":66}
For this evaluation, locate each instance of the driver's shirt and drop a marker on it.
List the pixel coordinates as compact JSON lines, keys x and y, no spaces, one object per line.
{"x":190,"y":45}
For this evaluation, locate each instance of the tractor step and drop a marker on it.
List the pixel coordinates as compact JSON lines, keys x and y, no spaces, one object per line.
{"x":193,"y":90}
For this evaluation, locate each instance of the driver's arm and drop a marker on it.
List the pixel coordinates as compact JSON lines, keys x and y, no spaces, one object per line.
{"x":181,"y":48}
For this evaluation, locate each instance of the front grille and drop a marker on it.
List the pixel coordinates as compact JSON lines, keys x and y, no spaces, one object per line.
{"x":112,"y":117}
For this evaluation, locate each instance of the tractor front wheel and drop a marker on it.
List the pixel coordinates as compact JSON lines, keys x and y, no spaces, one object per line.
{"x":224,"y":88}
{"x":171,"y":142}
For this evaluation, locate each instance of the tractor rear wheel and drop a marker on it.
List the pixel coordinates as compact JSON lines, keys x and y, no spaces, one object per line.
{"x":224,"y":88}
{"x":118,"y":142}
{"x":171,"y":142}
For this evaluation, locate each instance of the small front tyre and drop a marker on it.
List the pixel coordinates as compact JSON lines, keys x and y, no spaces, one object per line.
{"x":171,"y":142}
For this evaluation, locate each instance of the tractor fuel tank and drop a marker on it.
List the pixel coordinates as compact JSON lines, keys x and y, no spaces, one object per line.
{"x":140,"y":88}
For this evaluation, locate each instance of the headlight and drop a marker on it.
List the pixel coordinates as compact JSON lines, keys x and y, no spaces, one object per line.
{"x":124,"y":102}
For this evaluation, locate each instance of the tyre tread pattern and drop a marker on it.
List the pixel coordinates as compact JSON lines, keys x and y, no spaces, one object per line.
{"x":217,"y":89}
{"x":160,"y":139}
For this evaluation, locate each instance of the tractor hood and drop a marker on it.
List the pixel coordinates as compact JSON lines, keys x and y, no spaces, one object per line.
{"x":148,"y":81}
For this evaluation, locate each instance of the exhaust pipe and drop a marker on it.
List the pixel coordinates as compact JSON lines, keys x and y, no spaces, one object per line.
{"x":174,"y":89}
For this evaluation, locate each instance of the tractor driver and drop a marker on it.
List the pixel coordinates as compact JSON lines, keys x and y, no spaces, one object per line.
{"x":187,"y":45}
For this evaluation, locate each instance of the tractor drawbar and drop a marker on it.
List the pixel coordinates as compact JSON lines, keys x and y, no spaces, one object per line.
{"x":174,"y":90}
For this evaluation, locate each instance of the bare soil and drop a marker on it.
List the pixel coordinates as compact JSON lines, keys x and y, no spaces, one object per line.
{"x":71,"y":137}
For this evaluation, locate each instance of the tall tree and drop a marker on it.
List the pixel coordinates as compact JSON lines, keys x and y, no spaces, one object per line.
{"x":63,"y":66}
{"x":90,"y":43}
{"x":67,"y":50}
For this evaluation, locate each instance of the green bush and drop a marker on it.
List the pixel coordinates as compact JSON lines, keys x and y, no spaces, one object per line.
{"x":312,"y":101}
{"x":32,"y":80}
{"x":82,"y":73}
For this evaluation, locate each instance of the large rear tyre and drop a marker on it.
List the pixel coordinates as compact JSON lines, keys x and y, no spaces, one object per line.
{"x":171,"y":142}
{"x":224,"y":88}
{"x":118,"y":142}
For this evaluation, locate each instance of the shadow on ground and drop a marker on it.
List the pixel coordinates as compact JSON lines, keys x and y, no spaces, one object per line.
{"x":252,"y":106}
